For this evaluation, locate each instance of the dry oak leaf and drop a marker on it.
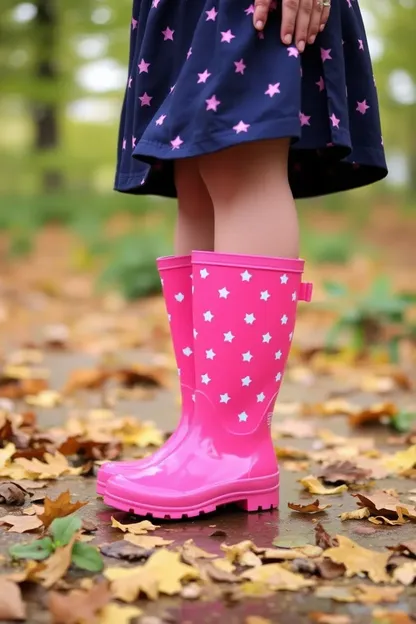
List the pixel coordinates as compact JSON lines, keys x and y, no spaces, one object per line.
{"x":276,"y":577}
{"x":52,"y":467}
{"x":78,"y":607}
{"x":51,"y":570}
{"x":314,"y":486}
{"x":12,"y":607}
{"x":12,"y":493}
{"x":21,"y":524}
{"x":329,"y":618}
{"x":370,"y":594}
{"x":162,"y":573}
{"x":136,"y":528}
{"x":406,"y":573}
{"x":59,"y":508}
{"x":344,"y":471}
{"x":382,"y":503}
{"x":114,"y":613}
{"x":356,"y":514}
{"x":312,"y":508}
{"x":402,"y":460}
{"x":243,"y":553}
{"x":147,"y":541}
{"x":358,"y":560}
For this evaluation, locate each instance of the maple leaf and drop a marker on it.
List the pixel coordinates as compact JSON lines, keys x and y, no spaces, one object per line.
{"x":52,"y":467}
{"x":314,"y":486}
{"x":276,"y":577}
{"x":358,"y":560}
{"x":21,"y":524}
{"x":12,"y":606}
{"x":308,"y":509}
{"x":59,"y":508}
{"x":78,"y":606}
{"x":136,"y":528}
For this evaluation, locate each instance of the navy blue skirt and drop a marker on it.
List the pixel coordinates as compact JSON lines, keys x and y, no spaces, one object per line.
{"x":201,"y":79}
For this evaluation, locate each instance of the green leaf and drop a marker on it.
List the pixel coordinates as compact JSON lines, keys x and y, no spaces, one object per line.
{"x":87,"y":557}
{"x":63,"y":529}
{"x":37,"y":550}
{"x":403,"y":421}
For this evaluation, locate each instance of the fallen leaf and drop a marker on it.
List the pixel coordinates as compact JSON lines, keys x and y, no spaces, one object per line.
{"x":372,"y":414}
{"x":405,"y":547}
{"x":12,"y":493}
{"x":12,"y":606}
{"x":300,"y":429}
{"x":312,"y":508}
{"x":368,"y":594}
{"x":290,"y":453}
{"x":86,"y":379}
{"x":51,"y":570}
{"x":402,"y":460}
{"x":242,"y":553}
{"x":52,"y":467}
{"x":338,"y":593}
{"x":125,"y":550}
{"x":162,"y":573}
{"x":358,"y":560}
{"x":45,"y":399}
{"x":257,"y":619}
{"x":33,"y":510}
{"x":59,"y":508}
{"x":137,"y":528}
{"x":323,"y":539}
{"x":191,"y":553}
{"x":114,"y":613}
{"x":382,"y":503}
{"x":345,"y":472}
{"x":28,"y":484}
{"x":314,"y":486}
{"x":356,"y":514}
{"x":329,"y":618}
{"x":380,"y":616}
{"x":78,"y":606}
{"x":21,"y":524}
{"x":147,"y":541}
{"x":276,"y":577}
{"x":192,"y":591}
{"x":406,"y":573}
{"x":329,"y":570}
{"x":6,"y":454}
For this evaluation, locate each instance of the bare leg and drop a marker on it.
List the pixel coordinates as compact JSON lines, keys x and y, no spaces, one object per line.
{"x":195,"y":222}
{"x":254,"y":208}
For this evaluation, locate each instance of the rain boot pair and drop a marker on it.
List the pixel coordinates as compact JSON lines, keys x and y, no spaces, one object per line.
{"x":232,"y":320}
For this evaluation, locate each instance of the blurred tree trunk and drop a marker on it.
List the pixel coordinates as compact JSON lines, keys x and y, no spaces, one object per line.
{"x":46,"y":113}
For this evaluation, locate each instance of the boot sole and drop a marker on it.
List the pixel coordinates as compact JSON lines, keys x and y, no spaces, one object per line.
{"x":101,"y":486}
{"x":251,"y":501}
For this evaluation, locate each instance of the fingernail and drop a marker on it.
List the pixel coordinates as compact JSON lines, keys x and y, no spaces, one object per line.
{"x":301,"y":46}
{"x":287,"y":39}
{"x":259,"y":24}
{"x":311,"y":39}
{"x":321,"y":27}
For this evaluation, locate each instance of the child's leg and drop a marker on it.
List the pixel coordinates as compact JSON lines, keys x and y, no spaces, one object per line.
{"x":254,"y":208}
{"x":195,"y":222}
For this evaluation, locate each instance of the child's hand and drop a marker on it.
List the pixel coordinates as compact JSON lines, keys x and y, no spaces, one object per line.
{"x":302,"y":18}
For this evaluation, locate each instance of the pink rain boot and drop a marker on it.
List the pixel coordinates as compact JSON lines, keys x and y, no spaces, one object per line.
{"x":176,"y":276}
{"x":244,"y":310}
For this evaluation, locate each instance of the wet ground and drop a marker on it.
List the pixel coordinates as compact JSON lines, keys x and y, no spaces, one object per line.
{"x":262,"y":528}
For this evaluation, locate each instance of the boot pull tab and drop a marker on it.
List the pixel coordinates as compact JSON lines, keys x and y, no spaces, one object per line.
{"x":305,"y":291}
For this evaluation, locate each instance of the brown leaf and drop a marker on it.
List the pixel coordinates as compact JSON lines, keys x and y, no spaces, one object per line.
{"x":344,"y":472}
{"x":314,"y":486}
{"x":33,"y":510}
{"x":12,"y":606}
{"x":382,"y":503}
{"x":308,"y":509}
{"x":358,"y":559}
{"x":86,"y":379}
{"x":405,"y":547}
{"x":372,"y":414}
{"x":142,"y":375}
{"x":21,"y":524}
{"x":12,"y":493}
{"x":381,"y":616}
{"x":126,"y":551}
{"x":78,"y":606}
{"x":323,"y":539}
{"x":55,"y":567}
{"x":330,"y":570}
{"x":59,"y":508}
{"x":329,"y":618}
{"x":15,"y":389}
{"x":368,"y":594}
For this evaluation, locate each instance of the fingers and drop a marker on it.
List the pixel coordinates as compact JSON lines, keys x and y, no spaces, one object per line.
{"x":302,"y":23}
{"x":261,"y":13}
{"x":289,"y":15}
{"x":315,"y":21}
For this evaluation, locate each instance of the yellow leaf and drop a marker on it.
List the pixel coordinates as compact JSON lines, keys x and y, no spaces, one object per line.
{"x":46,"y":399}
{"x":121,"y":614}
{"x":6,"y":453}
{"x":242,"y":553}
{"x":257,"y":619}
{"x":52,"y":467}
{"x":402,"y":460}
{"x":358,"y":559}
{"x":314,"y":486}
{"x":137,"y":528}
{"x":357,"y":514}
{"x":276,"y":577}
{"x":406,"y":573}
{"x":147,"y":541}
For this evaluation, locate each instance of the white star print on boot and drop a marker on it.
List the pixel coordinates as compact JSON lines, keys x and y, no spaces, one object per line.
{"x":176,"y":276}
{"x":241,"y":351}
